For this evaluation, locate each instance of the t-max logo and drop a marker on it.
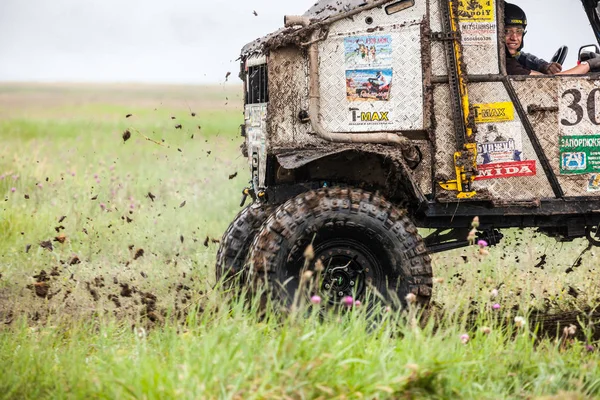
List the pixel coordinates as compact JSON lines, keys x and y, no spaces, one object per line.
{"x":374,"y":116}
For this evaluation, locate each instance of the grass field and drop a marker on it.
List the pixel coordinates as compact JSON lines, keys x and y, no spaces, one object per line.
{"x":107,"y":274}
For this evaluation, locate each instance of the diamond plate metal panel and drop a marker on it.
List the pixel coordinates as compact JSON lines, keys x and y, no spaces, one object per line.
{"x":405,"y":105}
{"x":288,"y":95}
{"x":546,"y":92}
{"x":479,"y":38}
{"x":505,"y":189}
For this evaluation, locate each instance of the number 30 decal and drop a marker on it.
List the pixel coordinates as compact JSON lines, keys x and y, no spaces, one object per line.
{"x":574,"y":95}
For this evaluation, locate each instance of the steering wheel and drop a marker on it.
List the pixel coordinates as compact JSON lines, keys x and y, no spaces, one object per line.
{"x":560,"y":55}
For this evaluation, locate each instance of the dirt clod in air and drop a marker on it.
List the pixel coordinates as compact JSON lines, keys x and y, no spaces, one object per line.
{"x":206,"y":241}
{"x":128,"y":115}
{"x":27,"y":248}
{"x":126,"y":291}
{"x":115,"y":299}
{"x":74,"y":260}
{"x":41,"y":289}
{"x":139,"y":253}
{"x":151,"y":196}
{"x":26,"y":197}
{"x":233,"y":175}
{"x":60,"y":238}
{"x":93,"y":292}
{"x":59,"y":228}
{"x":182,"y":204}
{"x":178,"y":126}
{"x":46,"y":244}
{"x":126,"y":135}
{"x":61,"y":219}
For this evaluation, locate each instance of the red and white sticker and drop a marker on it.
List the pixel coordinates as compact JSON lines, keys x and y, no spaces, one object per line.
{"x":507,"y":170}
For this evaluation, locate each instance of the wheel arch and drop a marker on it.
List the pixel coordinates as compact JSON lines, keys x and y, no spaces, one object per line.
{"x":375,"y":168}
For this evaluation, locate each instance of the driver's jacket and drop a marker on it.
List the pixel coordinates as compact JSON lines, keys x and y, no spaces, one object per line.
{"x":530,"y":61}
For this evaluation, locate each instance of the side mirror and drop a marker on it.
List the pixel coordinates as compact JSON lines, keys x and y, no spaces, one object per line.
{"x":589,"y":51}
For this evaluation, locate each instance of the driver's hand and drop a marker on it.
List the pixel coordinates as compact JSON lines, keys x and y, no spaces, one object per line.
{"x":551,"y":68}
{"x":594,"y":64}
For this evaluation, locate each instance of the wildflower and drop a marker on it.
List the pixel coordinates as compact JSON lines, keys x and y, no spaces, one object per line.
{"x":40,"y":185}
{"x":307,"y":275}
{"x":482,"y":244}
{"x":388,"y":309}
{"x":1,"y":177}
{"x":348,"y":301}
{"x":571,"y":330}
{"x":315,"y":299}
{"x":520,"y":322}
{"x":103,"y":206}
{"x":496,"y":306}
{"x":475,"y":223}
{"x":494,"y":293}
{"x":464,"y":338}
{"x":319,"y":266}
{"x":73,"y":173}
{"x":309,"y":253}
{"x":472,"y":236}
{"x":590,"y":348}
{"x":486,"y":330}
{"x":357,"y":303}
{"x":439,"y":280}
{"x":411,"y":298}
{"x":484,"y":252}
{"x":13,"y":189}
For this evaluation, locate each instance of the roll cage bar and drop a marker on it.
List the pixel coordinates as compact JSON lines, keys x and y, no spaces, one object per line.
{"x":591,"y":9}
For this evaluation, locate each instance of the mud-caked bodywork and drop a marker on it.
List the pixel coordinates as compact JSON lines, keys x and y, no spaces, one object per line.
{"x":404,"y":108}
{"x":362,"y":93}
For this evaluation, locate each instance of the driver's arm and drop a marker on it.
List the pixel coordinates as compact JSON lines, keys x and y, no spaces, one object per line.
{"x":581,"y":69}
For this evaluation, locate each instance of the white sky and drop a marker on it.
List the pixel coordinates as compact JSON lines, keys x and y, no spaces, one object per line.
{"x":188,"y":41}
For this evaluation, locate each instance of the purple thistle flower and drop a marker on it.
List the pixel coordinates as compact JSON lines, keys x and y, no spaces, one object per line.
{"x":348,"y":301}
{"x":496,"y":306}
{"x":13,"y":189}
{"x":482,"y":244}
{"x":315,"y":299}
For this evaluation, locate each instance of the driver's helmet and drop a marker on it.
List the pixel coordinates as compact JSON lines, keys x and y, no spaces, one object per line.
{"x":514,"y":15}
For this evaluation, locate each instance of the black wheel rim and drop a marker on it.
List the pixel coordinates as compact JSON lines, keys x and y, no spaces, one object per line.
{"x":349,"y":268}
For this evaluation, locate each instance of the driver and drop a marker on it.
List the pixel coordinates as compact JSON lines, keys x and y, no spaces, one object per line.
{"x":521,"y":63}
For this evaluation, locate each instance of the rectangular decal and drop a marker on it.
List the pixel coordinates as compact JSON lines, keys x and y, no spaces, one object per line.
{"x":478,"y":33}
{"x":369,"y":71}
{"x":358,"y":117}
{"x":579,"y":154}
{"x":368,"y":85}
{"x":494,"y":112}
{"x":594,"y":183}
{"x":477,"y":10}
{"x":506,"y":170}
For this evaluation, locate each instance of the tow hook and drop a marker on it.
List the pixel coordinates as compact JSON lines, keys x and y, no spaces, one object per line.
{"x":245,"y":193}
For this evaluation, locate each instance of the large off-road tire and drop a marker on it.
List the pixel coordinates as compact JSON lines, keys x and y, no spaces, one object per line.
{"x":236,"y":241}
{"x":376,"y":243}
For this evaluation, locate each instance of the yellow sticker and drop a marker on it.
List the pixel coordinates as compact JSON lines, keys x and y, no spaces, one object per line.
{"x":477,"y":10}
{"x":494,"y":112}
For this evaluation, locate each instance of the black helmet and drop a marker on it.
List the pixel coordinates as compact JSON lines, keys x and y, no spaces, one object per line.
{"x":514,"y":15}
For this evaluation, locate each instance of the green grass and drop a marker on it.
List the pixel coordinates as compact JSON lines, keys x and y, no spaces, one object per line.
{"x":62,"y":148}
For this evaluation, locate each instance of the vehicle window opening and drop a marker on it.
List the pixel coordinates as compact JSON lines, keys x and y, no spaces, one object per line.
{"x":258,"y":84}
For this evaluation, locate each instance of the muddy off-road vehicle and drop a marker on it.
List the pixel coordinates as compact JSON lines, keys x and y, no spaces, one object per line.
{"x":341,"y":182}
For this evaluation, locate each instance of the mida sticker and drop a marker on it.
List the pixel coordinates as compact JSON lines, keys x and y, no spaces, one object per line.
{"x":477,"y":10}
{"x":494,"y":112}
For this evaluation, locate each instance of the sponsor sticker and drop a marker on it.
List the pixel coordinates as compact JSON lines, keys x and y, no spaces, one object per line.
{"x":494,"y":112}
{"x":579,"y":154}
{"x":594,"y":183}
{"x":368,"y":67}
{"x":506,"y":170}
{"x":477,"y":10}
{"x":369,"y":117}
{"x":478,"y":33}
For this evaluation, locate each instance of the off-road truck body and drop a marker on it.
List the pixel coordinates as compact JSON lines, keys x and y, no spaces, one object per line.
{"x":365,"y":120}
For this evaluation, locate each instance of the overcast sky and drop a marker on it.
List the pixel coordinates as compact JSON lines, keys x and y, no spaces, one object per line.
{"x":188,"y":41}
